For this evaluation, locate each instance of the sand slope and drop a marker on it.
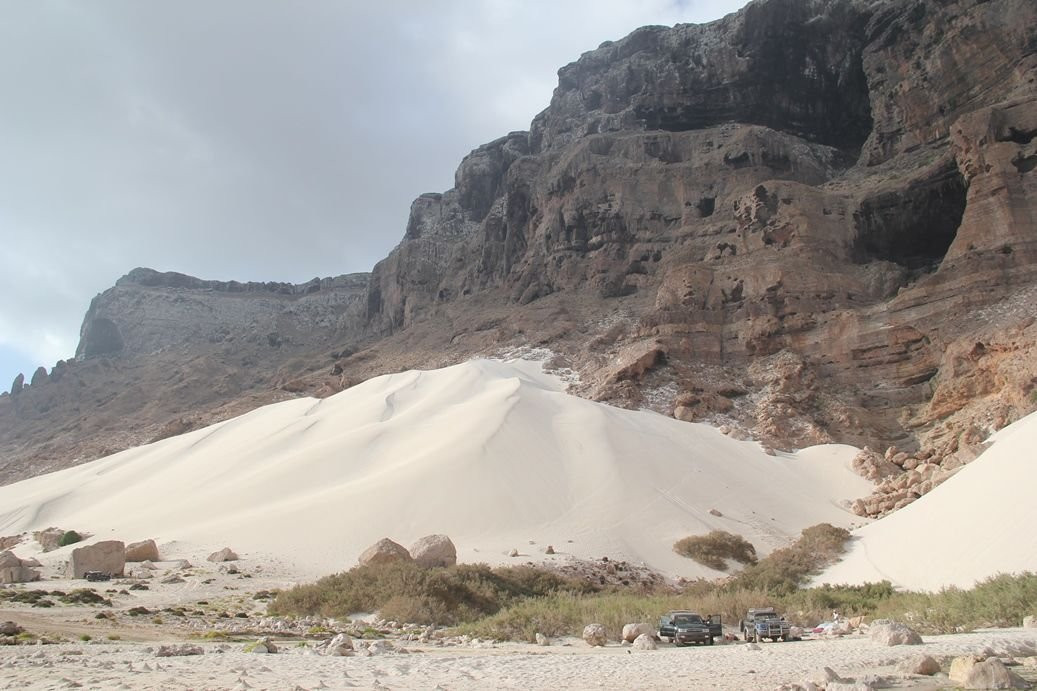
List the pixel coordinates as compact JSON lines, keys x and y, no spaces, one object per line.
{"x":978,"y":523}
{"x":493,"y":454}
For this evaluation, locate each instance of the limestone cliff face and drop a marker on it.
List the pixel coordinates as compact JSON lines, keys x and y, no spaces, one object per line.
{"x":811,"y":220}
{"x":843,"y":181}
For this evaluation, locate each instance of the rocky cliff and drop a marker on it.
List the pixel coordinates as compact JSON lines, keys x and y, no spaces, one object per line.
{"x":811,"y":220}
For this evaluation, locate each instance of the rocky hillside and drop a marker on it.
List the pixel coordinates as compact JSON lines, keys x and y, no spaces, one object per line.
{"x":811,"y":220}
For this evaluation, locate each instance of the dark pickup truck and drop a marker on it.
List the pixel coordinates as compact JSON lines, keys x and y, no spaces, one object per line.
{"x":683,"y":627}
{"x":764,"y":622}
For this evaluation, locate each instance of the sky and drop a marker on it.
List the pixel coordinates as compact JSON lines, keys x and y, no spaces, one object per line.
{"x":243,"y":140}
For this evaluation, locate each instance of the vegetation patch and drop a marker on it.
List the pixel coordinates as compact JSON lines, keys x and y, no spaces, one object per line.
{"x":410,"y":593}
{"x":70,"y":537}
{"x":714,"y":549}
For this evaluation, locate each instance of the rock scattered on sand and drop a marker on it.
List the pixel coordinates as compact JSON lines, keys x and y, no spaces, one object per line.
{"x":644,"y":642}
{"x":145,"y":550}
{"x":9,"y":628}
{"x":513,"y":553}
{"x":924,"y":665}
{"x":888,"y":632}
{"x":262,"y":646}
{"x":992,"y":674}
{"x":339,"y":646}
{"x":108,"y":556}
{"x":225,"y":554}
{"x":434,"y":551}
{"x":385,"y":551}
{"x":178,"y":650}
{"x":632,"y":631}
{"x":542,"y":640}
{"x":594,"y":635}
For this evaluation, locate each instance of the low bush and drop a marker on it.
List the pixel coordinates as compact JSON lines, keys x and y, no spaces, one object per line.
{"x":785,"y":570}
{"x":415,"y":594}
{"x":715,"y":548}
{"x":70,"y":537}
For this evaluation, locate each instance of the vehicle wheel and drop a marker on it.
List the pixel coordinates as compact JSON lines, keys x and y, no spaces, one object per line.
{"x":677,"y":644}
{"x":785,"y":638}
{"x":709,"y":641}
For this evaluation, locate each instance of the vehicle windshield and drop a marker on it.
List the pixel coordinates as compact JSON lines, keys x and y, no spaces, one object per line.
{"x":687,"y":619}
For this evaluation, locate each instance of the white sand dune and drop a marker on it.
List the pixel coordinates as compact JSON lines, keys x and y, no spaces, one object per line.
{"x":493,"y":454}
{"x":981,"y":522}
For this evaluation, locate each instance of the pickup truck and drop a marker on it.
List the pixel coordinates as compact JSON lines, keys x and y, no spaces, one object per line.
{"x":764,"y":622}
{"x":683,"y":627}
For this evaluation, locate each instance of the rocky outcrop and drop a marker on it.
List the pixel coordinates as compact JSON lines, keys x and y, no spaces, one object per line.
{"x":108,"y":556}
{"x":385,"y":551}
{"x":434,"y":551}
{"x":809,"y":221}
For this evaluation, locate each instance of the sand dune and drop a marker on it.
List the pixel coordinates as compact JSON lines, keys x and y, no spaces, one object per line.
{"x":493,"y":454}
{"x":978,"y":523}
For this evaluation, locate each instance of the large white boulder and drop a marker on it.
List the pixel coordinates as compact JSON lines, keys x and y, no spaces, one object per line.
{"x":145,"y":550}
{"x":385,"y":551}
{"x":594,"y":635}
{"x":887,"y":632}
{"x":632,"y":631}
{"x":108,"y":556}
{"x":434,"y":550}
{"x":644,"y":642}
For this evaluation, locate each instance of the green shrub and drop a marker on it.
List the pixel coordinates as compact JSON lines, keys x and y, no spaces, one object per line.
{"x":714,"y":549}
{"x":410,"y":593}
{"x":785,"y":570}
{"x":70,"y":537}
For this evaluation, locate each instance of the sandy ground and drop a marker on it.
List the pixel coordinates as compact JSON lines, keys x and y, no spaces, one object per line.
{"x":512,"y":666}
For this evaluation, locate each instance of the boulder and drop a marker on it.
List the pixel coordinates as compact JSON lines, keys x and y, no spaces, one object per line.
{"x":887,"y":632}
{"x":542,"y":640}
{"x":145,"y":550}
{"x":263,"y":646}
{"x":924,"y":665}
{"x":18,"y":574}
{"x":108,"y":556}
{"x":434,"y":550}
{"x":644,"y":642}
{"x":9,"y":560}
{"x":178,"y":650}
{"x":961,"y":666}
{"x":49,"y":538}
{"x":796,"y":633}
{"x":385,"y":551}
{"x":339,"y":646}
{"x":594,"y":635}
{"x":9,"y":628}
{"x":1030,"y":622}
{"x":992,"y":674}
{"x":632,"y":631}
{"x":225,"y":554}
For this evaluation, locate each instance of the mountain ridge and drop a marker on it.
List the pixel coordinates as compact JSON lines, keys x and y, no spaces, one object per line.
{"x":684,"y":227}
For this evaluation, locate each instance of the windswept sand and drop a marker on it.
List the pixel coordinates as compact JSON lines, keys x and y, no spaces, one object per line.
{"x":493,"y":454}
{"x":978,"y":523}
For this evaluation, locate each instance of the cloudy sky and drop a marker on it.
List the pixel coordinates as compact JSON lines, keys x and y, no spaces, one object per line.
{"x":251,"y":140}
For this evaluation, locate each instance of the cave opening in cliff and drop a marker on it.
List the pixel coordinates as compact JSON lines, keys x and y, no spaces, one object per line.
{"x":913,"y":227}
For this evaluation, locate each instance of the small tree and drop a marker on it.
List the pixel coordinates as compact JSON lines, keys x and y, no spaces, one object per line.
{"x":70,"y":537}
{"x":714,"y":549}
